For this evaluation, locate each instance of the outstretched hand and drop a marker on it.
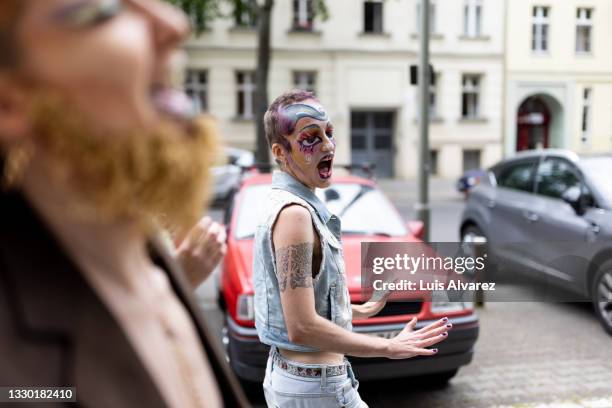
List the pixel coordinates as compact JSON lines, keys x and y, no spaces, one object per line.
{"x":409,"y":343}
{"x":202,"y":250}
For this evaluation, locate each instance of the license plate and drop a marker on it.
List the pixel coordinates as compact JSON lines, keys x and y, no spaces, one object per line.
{"x":385,"y":334}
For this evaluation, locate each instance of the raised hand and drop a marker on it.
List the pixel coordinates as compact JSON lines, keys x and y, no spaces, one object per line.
{"x":202,"y":250}
{"x":409,"y":343}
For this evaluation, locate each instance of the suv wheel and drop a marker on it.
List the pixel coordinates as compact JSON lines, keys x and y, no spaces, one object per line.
{"x":601,"y":294}
{"x":470,"y":233}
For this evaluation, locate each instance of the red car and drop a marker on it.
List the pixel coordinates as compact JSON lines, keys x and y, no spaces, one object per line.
{"x":367,"y":215}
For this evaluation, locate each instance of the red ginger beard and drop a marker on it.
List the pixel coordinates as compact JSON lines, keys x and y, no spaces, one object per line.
{"x":159,"y":174}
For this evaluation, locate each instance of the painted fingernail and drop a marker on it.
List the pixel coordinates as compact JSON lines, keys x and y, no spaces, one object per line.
{"x":445,"y":334}
{"x":435,"y":350}
{"x":449,"y":325}
{"x":445,"y":319}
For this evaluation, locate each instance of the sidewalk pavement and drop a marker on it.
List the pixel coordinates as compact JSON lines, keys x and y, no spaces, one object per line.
{"x":577,"y":403}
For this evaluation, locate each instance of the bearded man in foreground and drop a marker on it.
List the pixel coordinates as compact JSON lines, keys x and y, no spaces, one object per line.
{"x":96,"y":150}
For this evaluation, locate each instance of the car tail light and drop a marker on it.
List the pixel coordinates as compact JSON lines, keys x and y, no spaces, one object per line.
{"x":244,"y":308}
{"x":417,"y":228}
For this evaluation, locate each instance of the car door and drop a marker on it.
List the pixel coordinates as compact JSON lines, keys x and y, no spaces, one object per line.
{"x":514,"y":193}
{"x":559,"y":232}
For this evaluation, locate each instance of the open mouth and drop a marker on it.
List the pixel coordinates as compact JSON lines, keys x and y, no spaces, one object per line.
{"x":172,"y":102}
{"x":325,"y":167}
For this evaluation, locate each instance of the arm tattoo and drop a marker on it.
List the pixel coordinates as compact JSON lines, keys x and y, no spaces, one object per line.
{"x":294,"y":265}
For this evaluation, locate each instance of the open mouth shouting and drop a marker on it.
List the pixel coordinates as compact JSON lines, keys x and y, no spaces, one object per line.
{"x":325,"y":166}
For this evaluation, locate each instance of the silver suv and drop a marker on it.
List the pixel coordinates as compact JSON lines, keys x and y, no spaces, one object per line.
{"x":548,"y":201}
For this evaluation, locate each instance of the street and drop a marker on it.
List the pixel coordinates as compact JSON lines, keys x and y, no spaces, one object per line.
{"x":528,"y":354}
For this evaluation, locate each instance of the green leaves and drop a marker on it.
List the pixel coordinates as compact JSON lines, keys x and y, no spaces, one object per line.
{"x":320,"y":9}
{"x":201,"y":12}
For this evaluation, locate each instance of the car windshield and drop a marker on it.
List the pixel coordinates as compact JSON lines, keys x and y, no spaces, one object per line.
{"x":362,"y":209}
{"x":598,"y":170}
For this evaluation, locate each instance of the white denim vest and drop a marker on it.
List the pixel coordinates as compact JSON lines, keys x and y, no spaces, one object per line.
{"x":331,"y":294}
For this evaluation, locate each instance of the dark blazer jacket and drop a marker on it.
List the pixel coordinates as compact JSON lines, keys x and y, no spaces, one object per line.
{"x":55,"y":331}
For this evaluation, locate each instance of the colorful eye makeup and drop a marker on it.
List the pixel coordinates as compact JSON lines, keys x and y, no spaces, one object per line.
{"x":85,"y":13}
{"x":314,"y":144}
{"x":308,"y":139}
{"x":329,"y":132}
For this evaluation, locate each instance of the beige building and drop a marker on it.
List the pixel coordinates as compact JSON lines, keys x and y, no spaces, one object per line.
{"x":358,"y":62}
{"x":559,"y":75}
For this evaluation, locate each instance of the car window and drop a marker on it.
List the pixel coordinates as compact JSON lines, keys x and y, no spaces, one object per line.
{"x":517,"y":176}
{"x":599,"y":169}
{"x":555,"y":176}
{"x":253,"y":202}
{"x":362,"y":210}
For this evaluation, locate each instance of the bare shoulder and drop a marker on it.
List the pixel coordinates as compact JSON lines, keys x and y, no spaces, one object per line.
{"x":294,"y":224}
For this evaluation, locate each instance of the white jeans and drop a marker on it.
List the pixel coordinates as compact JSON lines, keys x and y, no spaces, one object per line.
{"x":285,"y":390}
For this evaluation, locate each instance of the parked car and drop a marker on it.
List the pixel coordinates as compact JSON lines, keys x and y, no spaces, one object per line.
{"x":227,"y":175}
{"x":554,"y":200}
{"x":470,"y":179}
{"x":367,"y":215}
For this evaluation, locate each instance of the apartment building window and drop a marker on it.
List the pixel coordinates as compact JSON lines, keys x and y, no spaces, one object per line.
{"x":540,"y":28}
{"x":587,"y":96}
{"x":584,"y":29}
{"x":472,"y":18}
{"x":373,"y":17}
{"x":470,"y":93}
{"x":433,"y":162}
{"x":471,"y":159}
{"x":306,"y":80}
{"x":432,"y":17}
{"x":196,"y":87}
{"x":245,"y":13}
{"x":303,"y":15}
{"x":245,"y":86}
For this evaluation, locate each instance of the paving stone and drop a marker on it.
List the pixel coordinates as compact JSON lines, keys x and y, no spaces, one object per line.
{"x":558,"y":369}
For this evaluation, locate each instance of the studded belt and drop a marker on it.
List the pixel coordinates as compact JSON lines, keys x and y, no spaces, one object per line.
{"x":305,"y":370}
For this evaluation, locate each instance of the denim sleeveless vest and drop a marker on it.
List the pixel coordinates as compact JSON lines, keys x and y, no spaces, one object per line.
{"x":330,"y":290}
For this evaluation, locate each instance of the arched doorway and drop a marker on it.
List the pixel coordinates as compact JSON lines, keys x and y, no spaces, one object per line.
{"x":533,"y":124}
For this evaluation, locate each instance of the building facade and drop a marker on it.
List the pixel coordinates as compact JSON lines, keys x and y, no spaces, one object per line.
{"x":559,"y":75}
{"x":357,"y":62}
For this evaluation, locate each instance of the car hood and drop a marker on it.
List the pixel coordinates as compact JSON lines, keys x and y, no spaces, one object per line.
{"x":351,"y":245}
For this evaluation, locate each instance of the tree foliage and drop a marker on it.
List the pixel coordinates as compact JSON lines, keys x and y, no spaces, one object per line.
{"x":202,"y":12}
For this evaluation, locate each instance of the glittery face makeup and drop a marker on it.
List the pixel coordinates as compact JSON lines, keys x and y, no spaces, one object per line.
{"x":59,"y":36}
{"x":312,"y":144}
{"x":83,"y":13}
{"x":291,"y":114}
{"x":308,"y":139}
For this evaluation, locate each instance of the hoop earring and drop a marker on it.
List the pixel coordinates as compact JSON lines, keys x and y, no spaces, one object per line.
{"x":16,"y":160}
